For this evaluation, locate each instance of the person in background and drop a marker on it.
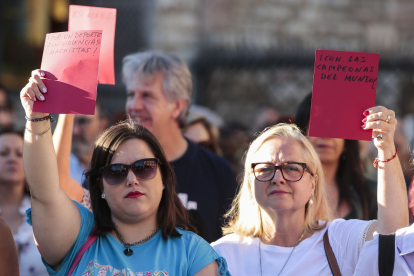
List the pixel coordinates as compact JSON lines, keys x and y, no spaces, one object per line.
{"x":351,"y":196}
{"x":138,"y":221}
{"x":159,"y":88}
{"x":15,"y":200}
{"x":85,"y":130}
{"x":9,"y":261}
{"x":281,"y":217}
{"x":201,"y":132}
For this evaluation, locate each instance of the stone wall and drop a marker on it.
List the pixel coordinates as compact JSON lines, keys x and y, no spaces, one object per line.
{"x":383,"y":26}
{"x":294,"y":27}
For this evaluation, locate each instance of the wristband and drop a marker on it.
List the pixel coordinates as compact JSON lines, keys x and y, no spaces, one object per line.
{"x":48,"y":117}
{"x":388,"y":160}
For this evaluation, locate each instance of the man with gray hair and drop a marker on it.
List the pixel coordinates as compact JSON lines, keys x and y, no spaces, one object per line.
{"x":159,"y":88}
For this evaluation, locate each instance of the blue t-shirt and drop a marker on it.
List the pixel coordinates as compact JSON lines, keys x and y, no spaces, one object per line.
{"x":185,"y":255}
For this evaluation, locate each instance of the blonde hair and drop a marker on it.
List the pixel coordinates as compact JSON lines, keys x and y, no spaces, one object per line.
{"x":244,"y":217}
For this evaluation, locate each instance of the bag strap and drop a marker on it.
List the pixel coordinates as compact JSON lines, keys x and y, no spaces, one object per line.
{"x":333,"y":264}
{"x":386,"y":254}
{"x":89,"y":241}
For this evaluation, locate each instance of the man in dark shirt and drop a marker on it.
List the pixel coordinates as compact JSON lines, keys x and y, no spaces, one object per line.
{"x":159,"y":88}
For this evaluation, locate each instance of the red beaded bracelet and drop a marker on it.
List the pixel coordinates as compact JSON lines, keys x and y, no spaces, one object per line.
{"x":377,"y":159}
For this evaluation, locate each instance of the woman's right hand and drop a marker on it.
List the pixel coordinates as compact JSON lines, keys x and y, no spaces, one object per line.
{"x":33,"y":91}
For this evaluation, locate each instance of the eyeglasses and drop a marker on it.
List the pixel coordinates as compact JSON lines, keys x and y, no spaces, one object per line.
{"x":144,"y":169}
{"x":291,"y":171}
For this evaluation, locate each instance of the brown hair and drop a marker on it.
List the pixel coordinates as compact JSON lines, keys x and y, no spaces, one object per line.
{"x":171,"y":213}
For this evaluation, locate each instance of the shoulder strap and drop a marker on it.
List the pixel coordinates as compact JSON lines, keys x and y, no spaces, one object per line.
{"x":89,"y":241}
{"x":386,"y":254}
{"x":333,"y":264}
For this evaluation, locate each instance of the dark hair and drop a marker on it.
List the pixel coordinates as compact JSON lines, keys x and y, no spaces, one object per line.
{"x":171,"y":213}
{"x":349,"y":175}
{"x":11,"y":130}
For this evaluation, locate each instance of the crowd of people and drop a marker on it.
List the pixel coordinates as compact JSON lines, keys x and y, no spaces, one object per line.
{"x":155,"y":195}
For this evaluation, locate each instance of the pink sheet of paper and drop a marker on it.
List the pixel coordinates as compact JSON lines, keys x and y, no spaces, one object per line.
{"x":71,"y":59}
{"x":344,"y":86}
{"x":96,"y":18}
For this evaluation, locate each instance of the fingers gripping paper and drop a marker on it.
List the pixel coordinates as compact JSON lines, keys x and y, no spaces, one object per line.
{"x":96,"y":18}
{"x":71,"y":61}
{"x":344,"y":86}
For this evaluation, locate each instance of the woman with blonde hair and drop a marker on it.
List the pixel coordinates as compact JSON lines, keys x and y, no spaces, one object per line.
{"x":279,"y":223}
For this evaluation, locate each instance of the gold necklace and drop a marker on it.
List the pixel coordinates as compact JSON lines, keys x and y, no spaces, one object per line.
{"x":294,"y":246}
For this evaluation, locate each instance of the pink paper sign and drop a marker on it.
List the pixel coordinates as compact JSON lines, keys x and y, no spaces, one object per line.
{"x":71,"y":59}
{"x":344,"y":86}
{"x":95,"y":18}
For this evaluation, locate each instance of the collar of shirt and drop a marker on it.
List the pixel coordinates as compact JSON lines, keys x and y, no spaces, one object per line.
{"x":406,"y":244}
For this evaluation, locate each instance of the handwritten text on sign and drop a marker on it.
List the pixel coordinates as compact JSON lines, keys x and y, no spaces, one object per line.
{"x":97,"y":18}
{"x":73,"y":42}
{"x":344,"y":85}
{"x":355,"y":68}
{"x":70,"y":62}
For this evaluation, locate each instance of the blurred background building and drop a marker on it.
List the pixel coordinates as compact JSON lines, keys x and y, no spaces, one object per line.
{"x":245,"y":54}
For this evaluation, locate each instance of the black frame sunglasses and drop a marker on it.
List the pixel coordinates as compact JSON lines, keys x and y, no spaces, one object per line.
{"x":281,"y":167}
{"x":144,"y":169}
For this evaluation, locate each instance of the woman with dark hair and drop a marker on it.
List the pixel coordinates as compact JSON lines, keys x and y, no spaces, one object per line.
{"x":349,"y":193}
{"x":138,"y":225}
{"x":15,"y":199}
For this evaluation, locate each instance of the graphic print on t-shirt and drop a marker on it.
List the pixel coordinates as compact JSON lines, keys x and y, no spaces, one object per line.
{"x":108,"y":270}
{"x":189,"y":205}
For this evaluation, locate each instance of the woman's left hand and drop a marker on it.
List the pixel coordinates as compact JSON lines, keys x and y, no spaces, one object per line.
{"x":382,"y":121}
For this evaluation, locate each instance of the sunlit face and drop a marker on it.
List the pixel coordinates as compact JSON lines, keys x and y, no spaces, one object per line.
{"x":279,"y":195}
{"x":329,"y":150}
{"x":147,"y":104}
{"x":11,"y":162}
{"x":136,"y":208}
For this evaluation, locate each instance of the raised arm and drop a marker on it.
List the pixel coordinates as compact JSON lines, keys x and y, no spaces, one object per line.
{"x":62,"y":141}
{"x":392,"y":194}
{"x":56,"y":219}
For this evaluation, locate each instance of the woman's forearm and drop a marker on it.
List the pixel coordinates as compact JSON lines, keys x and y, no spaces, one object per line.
{"x":39,"y":161}
{"x":392,"y":195}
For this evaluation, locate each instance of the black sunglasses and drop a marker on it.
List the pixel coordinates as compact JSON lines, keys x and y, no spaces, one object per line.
{"x":291,"y":171}
{"x":144,"y":169}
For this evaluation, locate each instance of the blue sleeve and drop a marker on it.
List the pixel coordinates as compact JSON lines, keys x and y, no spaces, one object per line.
{"x":87,"y":224}
{"x":201,"y":254}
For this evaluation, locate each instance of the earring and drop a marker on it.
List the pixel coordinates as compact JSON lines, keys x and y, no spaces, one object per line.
{"x":103,"y":196}
{"x":311,"y":200}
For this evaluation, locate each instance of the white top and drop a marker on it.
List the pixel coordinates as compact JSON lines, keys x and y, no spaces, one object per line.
{"x":404,"y":254}
{"x":30,"y":261}
{"x":346,"y":238}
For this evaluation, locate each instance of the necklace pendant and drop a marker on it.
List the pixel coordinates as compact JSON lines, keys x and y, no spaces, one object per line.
{"x":128,"y":252}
